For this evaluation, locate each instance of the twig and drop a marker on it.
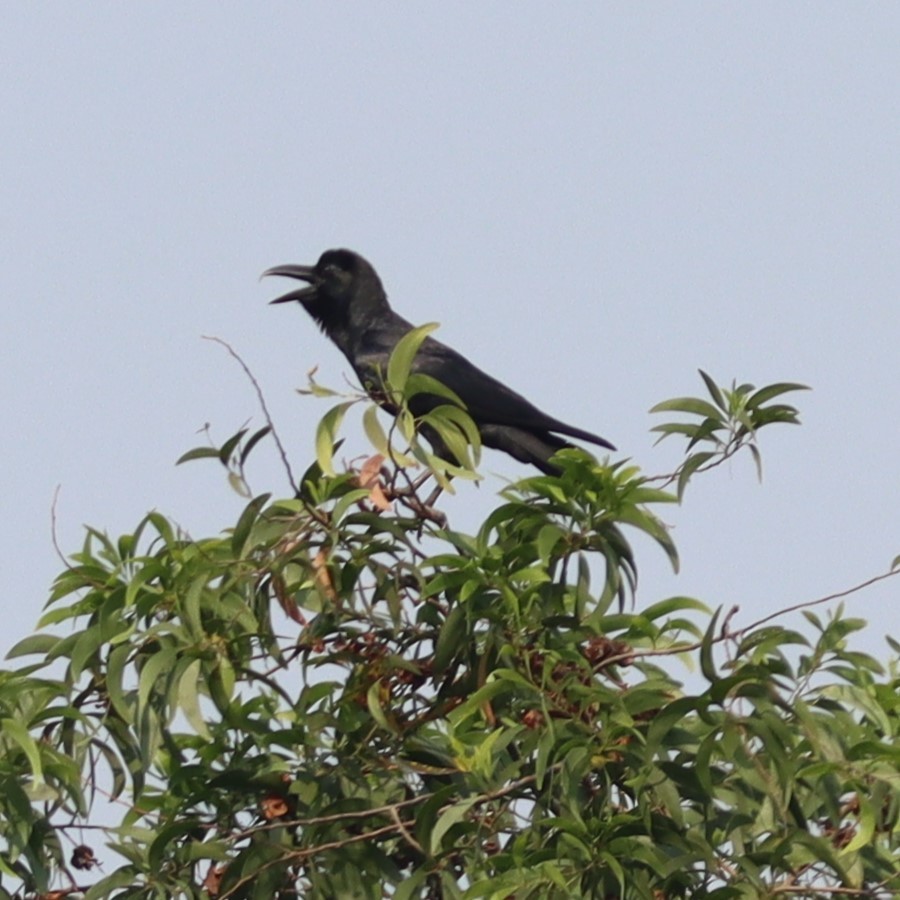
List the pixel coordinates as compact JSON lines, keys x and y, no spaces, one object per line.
{"x":725,"y":635}
{"x":397,"y":825}
{"x":825,"y":599}
{"x":262,"y":403}
{"x":53,"y":534}
{"x":395,"y":816}
{"x":815,"y":890}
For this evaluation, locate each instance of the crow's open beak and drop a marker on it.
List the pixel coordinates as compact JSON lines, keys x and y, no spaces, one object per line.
{"x":303,"y":273}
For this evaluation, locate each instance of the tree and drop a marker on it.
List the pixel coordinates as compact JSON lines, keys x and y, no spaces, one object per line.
{"x":341,"y":696}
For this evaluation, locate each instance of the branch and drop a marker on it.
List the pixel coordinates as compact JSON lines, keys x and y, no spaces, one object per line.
{"x":726,"y":634}
{"x":262,"y":403}
{"x":398,"y":825}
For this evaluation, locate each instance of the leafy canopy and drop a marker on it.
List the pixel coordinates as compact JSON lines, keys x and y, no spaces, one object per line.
{"x":342,"y":696}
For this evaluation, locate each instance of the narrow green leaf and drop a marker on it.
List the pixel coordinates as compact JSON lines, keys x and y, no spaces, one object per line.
{"x":757,"y":459}
{"x":673,"y":604}
{"x":420,"y":383}
{"x":197,"y":453}
{"x":252,"y":441}
{"x":38,"y":643}
{"x":17,"y":732}
{"x":706,"y":431}
{"x":404,"y":353}
{"x":548,"y":537}
{"x":85,"y":651}
{"x":409,"y":887}
{"x":326,"y":436}
{"x":451,"y":639}
{"x":692,"y":405}
{"x":773,"y":390}
{"x":373,"y":700}
{"x":375,"y":432}
{"x":115,"y":674}
{"x":670,"y":428}
{"x":707,"y":662}
{"x":238,"y":485}
{"x":227,"y":448}
{"x":447,"y":819}
{"x":689,"y":467}
{"x":245,"y":524}
{"x":124,"y":876}
{"x":158,"y":664}
{"x":714,"y":391}
{"x":188,"y":699}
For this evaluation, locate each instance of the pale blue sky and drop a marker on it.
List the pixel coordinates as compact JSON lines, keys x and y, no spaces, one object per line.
{"x":593,"y":199}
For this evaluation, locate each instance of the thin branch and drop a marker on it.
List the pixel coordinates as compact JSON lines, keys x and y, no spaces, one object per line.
{"x":397,"y":825}
{"x":725,"y":635}
{"x":395,"y":816}
{"x":53,"y":535}
{"x":815,"y":890}
{"x":835,"y":596}
{"x":262,"y":403}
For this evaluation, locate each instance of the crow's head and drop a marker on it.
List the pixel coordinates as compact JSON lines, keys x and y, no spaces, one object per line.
{"x":343,"y":293}
{"x":340,"y":284}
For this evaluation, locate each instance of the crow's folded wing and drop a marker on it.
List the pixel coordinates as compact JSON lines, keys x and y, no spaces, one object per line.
{"x":488,"y":401}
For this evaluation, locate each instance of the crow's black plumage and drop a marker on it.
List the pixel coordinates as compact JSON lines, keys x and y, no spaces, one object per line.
{"x":344,"y":294}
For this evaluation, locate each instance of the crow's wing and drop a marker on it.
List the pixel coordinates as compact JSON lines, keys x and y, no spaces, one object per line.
{"x":488,"y":401}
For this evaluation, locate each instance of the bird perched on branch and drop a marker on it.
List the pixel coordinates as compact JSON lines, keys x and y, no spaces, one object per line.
{"x":344,"y":295}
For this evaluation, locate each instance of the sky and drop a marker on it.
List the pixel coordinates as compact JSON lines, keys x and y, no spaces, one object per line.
{"x":594,"y":200}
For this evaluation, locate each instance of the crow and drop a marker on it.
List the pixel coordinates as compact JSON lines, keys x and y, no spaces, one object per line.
{"x":345,"y":297}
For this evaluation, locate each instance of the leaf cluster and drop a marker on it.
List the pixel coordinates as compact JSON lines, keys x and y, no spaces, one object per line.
{"x":337,"y":697}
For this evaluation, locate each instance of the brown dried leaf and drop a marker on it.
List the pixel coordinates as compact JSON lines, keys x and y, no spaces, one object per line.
{"x":213,"y":880}
{"x":370,"y":477}
{"x":323,"y":575}
{"x":287,"y":602}
{"x":273,"y":807}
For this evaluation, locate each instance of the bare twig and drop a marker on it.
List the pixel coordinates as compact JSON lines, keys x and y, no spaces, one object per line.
{"x":726,"y":634}
{"x":815,"y":890}
{"x":262,"y":403}
{"x":54,"y":536}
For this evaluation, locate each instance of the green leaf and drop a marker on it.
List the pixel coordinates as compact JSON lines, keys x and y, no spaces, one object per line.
{"x":227,"y":448}
{"x":690,"y":405}
{"x":447,"y":819}
{"x":373,"y":700}
{"x":158,"y":664}
{"x":773,"y":390}
{"x":707,"y":663}
{"x":245,"y":523}
{"x":408,"y":889}
{"x":326,"y":436}
{"x":404,"y":353}
{"x":689,"y":467}
{"x":188,"y":698}
{"x":375,"y":433}
{"x":198,"y":453}
{"x":36,"y":643}
{"x":671,"y":605}
{"x":121,"y":878}
{"x":420,"y":383}
{"x":252,"y":441}
{"x":451,"y":639}
{"x":17,"y":732}
{"x":714,"y":391}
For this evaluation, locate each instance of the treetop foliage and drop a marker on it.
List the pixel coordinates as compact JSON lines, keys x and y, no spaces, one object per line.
{"x":342,"y":696}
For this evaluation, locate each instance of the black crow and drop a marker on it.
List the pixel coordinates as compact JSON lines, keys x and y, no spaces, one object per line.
{"x":343,"y":293}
